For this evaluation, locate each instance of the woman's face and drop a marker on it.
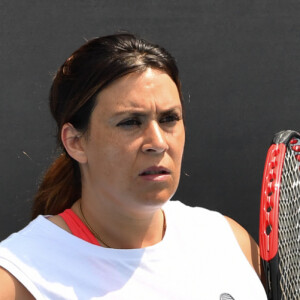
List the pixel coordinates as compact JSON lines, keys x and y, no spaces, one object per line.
{"x":135,"y":142}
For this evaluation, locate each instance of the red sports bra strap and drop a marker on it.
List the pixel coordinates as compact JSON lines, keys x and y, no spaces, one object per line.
{"x":77,"y":227}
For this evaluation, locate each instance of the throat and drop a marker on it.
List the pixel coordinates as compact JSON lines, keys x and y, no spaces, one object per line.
{"x":127,"y":235}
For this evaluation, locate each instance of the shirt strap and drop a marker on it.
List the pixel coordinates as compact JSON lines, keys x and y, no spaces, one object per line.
{"x":77,"y":227}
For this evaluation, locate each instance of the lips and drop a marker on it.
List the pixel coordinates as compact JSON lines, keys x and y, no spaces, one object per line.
{"x":155,"y":171}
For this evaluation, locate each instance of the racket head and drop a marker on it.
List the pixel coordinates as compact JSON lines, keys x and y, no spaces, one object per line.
{"x":278,"y":175}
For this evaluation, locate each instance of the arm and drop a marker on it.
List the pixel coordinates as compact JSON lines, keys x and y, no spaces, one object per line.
{"x":248,"y":246}
{"x":11,"y":288}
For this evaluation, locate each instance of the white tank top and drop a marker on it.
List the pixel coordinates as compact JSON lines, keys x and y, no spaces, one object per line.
{"x":199,"y":258}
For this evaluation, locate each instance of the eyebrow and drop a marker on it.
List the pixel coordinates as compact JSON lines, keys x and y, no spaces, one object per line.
{"x":136,"y":113}
{"x":128,"y":113}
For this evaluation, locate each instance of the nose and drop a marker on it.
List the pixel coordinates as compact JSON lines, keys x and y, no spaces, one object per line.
{"x":155,"y":139}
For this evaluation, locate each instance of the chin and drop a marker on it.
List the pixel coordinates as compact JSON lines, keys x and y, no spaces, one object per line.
{"x":158,"y":199}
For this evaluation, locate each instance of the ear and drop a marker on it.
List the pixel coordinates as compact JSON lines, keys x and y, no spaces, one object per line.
{"x":72,"y":140}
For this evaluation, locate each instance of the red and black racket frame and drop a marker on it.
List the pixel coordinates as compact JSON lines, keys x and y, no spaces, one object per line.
{"x":269,"y":208}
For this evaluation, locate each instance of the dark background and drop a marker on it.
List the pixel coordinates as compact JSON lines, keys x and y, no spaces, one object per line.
{"x":239,"y":63}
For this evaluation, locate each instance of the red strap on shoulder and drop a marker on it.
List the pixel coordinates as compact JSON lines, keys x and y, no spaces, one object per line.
{"x":77,"y":227}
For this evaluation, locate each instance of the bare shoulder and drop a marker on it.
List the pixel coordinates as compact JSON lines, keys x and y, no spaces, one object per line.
{"x":248,"y":245}
{"x":11,"y":288}
{"x":59,"y":221}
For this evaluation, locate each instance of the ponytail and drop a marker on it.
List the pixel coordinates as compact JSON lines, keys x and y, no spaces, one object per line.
{"x":60,"y":188}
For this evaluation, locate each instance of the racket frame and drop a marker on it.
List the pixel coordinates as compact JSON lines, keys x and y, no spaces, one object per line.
{"x":269,"y":210}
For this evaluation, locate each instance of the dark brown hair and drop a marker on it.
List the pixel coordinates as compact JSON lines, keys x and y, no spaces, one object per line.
{"x":78,"y":81}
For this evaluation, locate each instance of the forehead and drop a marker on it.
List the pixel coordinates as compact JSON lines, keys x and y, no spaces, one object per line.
{"x":140,"y":90}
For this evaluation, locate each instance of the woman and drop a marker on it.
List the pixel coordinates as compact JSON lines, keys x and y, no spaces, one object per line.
{"x":110,"y":230}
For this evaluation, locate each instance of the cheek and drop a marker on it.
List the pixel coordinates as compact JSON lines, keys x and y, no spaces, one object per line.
{"x":178,"y":141}
{"x":113,"y":156}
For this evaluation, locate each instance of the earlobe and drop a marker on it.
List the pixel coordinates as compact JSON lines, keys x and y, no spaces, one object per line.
{"x":72,"y":141}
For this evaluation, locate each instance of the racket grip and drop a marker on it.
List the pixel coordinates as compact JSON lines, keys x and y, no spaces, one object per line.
{"x":272,"y":279}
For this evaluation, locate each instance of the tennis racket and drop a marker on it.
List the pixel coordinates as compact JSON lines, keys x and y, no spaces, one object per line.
{"x":279,"y":231}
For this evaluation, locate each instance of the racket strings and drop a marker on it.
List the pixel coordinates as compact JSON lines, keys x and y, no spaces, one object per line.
{"x":289,"y":227}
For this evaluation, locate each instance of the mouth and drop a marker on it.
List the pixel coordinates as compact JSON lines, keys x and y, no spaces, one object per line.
{"x":155,"y":171}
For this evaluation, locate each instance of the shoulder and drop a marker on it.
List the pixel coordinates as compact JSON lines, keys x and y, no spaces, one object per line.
{"x":43,"y":228}
{"x":59,"y":221}
{"x":199,"y":218}
{"x":212,"y":221}
{"x":18,"y":264}
{"x":11,"y":288}
{"x":177,"y":207}
{"x":247,"y":244}
{"x":35,"y":238}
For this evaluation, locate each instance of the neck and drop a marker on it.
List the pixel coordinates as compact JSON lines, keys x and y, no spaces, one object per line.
{"x":114,"y":229}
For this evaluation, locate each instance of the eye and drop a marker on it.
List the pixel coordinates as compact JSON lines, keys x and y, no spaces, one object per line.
{"x":170,"y":118}
{"x":128,"y":123}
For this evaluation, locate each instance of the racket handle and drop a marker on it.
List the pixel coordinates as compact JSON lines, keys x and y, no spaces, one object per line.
{"x":272,"y":279}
